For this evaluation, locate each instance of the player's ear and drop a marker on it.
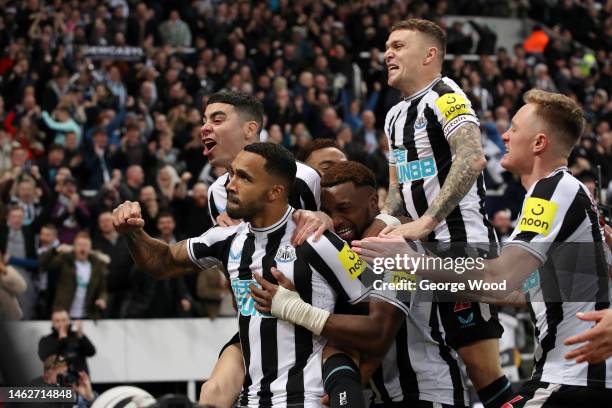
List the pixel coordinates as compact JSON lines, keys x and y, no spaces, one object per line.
{"x":277,"y":191}
{"x":250,"y":130}
{"x":540,"y":143}
{"x":430,"y":56}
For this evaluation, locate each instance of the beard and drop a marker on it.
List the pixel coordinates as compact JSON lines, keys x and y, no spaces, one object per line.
{"x":239,"y":210}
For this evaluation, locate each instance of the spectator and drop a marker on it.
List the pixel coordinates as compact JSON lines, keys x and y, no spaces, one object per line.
{"x":537,"y":41}
{"x":109,"y":242}
{"x":191,"y":212}
{"x":67,"y":341}
{"x":12,"y":285}
{"x":18,"y":246}
{"x":62,"y":123}
{"x":81,"y":286}
{"x":134,"y":180}
{"x":502,"y":224}
{"x":55,"y":369}
{"x":70,"y":214}
{"x":175,"y":32}
{"x":47,"y":279}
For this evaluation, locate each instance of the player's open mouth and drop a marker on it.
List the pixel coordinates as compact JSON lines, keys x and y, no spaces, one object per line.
{"x":392,"y":67}
{"x":209,"y":145}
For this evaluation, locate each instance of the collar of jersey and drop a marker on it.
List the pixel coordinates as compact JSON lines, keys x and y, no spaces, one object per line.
{"x":422,"y":91}
{"x":274,"y":227}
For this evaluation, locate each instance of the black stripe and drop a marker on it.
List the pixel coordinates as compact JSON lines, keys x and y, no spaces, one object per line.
{"x":216,"y":250}
{"x":268,"y":327}
{"x":419,"y":198}
{"x":244,"y":273}
{"x":407,"y":375}
{"x":574,"y":216}
{"x":317,"y":262}
{"x":482,"y":194}
{"x":378,"y":382}
{"x":445,"y":353}
{"x":214,"y":213}
{"x":442,"y":88}
{"x":443,"y":158}
{"x":543,"y":189}
{"x":301,"y":192}
{"x":596,"y":373}
{"x":392,"y":128}
{"x":554,"y":316}
{"x":302,"y":280}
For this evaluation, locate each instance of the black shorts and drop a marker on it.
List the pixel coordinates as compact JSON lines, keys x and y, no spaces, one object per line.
{"x":468,"y":322}
{"x":549,"y":395}
{"x":235,"y":339}
{"x":415,"y":404}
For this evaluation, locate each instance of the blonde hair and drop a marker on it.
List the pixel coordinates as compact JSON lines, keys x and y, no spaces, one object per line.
{"x":561,"y":115}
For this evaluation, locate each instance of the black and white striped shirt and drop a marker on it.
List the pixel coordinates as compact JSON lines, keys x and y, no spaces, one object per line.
{"x":306,"y":192}
{"x":282,"y":360}
{"x":419,"y":365}
{"x":418,"y":129}
{"x":559,"y":225}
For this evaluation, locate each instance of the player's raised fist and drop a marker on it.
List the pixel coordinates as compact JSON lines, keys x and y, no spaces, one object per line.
{"x":127,"y":217}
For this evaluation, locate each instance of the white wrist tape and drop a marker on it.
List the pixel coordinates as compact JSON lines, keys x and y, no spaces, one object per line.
{"x":287,"y":305}
{"x":388,"y":219}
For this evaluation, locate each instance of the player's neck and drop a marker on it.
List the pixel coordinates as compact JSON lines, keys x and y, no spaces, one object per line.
{"x":541,"y":169}
{"x":270,"y":215}
{"x":421,"y":82}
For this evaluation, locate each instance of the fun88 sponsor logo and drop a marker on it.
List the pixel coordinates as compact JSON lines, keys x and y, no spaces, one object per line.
{"x":413,"y":170}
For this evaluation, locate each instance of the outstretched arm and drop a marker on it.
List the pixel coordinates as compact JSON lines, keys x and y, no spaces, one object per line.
{"x":150,"y":254}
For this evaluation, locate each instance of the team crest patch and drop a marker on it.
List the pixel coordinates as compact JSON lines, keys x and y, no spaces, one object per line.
{"x":420,"y":123}
{"x":285,"y":254}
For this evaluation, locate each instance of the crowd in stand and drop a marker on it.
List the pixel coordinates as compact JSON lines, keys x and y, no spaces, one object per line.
{"x":101,"y":102}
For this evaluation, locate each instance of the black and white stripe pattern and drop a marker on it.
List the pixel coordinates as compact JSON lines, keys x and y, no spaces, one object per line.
{"x":418,"y":129}
{"x":282,"y":361}
{"x":420,"y":366}
{"x":552,"y":306}
{"x":306,"y":192}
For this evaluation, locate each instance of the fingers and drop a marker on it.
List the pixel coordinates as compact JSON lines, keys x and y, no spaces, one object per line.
{"x":261,"y":297}
{"x":579,"y":353}
{"x":387,"y":230}
{"x":282,"y":279}
{"x":319,"y":232}
{"x":581,"y":337}
{"x":594,"y":315}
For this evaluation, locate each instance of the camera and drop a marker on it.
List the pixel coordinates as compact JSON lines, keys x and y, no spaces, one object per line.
{"x":71,"y":376}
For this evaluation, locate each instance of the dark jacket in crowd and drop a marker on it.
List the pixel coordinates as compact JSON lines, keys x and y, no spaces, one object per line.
{"x":74,"y":348}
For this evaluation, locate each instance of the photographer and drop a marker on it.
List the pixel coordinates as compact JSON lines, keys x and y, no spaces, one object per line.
{"x":58,"y":373}
{"x":73,"y":345}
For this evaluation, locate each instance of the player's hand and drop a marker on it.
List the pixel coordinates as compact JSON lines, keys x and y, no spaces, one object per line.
{"x":325,"y":400}
{"x":387,"y":247}
{"x":598,"y":340}
{"x":374,"y":229}
{"x":128,"y":217}
{"x":414,"y":230}
{"x":101,"y":303}
{"x":263,"y":296}
{"x":224,"y":220}
{"x":310,"y":223}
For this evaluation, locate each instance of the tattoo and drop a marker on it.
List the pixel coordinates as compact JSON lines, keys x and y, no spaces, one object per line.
{"x":157,"y":257}
{"x":394,"y":204}
{"x":468,"y":164}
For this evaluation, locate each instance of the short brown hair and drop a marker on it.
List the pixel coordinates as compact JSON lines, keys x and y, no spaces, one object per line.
{"x":83,"y":235}
{"x":561,"y":115}
{"x":428,"y":28}
{"x":347,"y":172}
{"x":304,"y":153}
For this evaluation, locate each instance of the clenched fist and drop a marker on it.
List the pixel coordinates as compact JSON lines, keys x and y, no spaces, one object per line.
{"x":127,"y":217}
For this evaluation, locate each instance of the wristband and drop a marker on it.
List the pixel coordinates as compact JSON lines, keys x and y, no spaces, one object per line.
{"x":287,"y":305}
{"x":388,"y":219}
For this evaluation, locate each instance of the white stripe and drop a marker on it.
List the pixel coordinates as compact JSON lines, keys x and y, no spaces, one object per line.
{"x":541,"y":396}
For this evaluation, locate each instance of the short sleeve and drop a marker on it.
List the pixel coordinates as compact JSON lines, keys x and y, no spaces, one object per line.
{"x":453,"y":109}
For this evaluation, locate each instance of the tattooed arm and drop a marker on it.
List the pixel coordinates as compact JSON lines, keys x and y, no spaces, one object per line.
{"x":394,"y":204}
{"x":468,"y":162}
{"x":155,"y":256}
{"x":467,"y":165}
